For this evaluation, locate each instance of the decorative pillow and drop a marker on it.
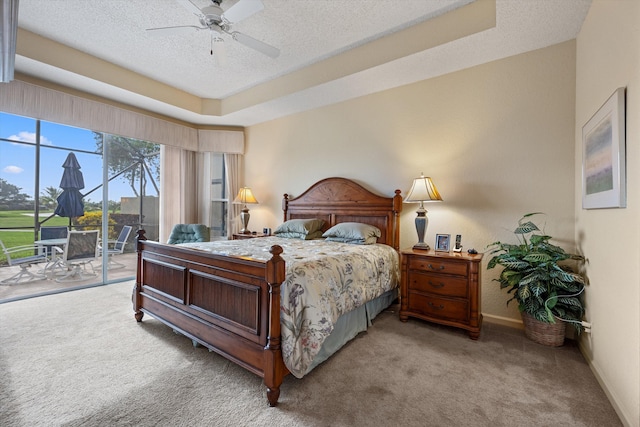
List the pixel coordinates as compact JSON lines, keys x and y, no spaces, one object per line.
{"x":300,"y":229}
{"x":188,"y":233}
{"x":302,"y":236}
{"x":353,"y":232}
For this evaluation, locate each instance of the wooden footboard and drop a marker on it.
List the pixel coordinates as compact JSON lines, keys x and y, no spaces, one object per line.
{"x":231,"y":305}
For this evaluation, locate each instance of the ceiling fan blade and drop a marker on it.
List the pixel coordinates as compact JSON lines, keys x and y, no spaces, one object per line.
{"x":243,"y":9}
{"x":219,"y":52}
{"x":181,"y":29}
{"x":190,"y":7}
{"x":261,"y":47}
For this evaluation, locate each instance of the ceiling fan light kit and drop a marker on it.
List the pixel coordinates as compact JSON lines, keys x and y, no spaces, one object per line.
{"x":220,"y":21}
{"x":211,"y":15}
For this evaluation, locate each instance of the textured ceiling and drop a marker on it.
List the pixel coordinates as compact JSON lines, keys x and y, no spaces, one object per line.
{"x":331,"y":50}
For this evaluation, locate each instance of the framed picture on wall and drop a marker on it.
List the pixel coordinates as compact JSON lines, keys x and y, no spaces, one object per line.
{"x":604,"y":180}
{"x":442,"y":242}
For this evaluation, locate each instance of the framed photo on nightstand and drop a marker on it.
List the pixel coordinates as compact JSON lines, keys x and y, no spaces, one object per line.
{"x":442,"y":242}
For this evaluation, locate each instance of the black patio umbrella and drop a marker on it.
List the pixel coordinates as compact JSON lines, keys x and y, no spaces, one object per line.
{"x":70,"y":202}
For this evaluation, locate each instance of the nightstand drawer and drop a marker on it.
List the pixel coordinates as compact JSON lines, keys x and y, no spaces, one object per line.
{"x":436,"y":265}
{"x":438,"y":284}
{"x":442,"y":308}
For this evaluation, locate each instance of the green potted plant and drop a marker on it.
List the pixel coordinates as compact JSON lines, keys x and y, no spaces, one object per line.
{"x":540,"y":280}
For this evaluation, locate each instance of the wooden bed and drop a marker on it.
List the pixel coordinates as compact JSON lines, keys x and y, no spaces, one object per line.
{"x":231,"y":304}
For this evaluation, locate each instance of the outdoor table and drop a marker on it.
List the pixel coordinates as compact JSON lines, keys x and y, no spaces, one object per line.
{"x":56,"y":261}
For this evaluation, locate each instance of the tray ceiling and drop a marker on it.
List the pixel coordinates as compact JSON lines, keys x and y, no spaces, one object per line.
{"x":331,"y":50}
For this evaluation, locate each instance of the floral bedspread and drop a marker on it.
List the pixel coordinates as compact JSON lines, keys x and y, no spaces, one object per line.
{"x":323,"y":281}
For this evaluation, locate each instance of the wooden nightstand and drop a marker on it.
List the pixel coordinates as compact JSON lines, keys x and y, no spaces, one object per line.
{"x":240,"y":236}
{"x":442,"y":287}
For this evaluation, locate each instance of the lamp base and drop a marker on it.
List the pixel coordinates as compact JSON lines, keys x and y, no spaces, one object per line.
{"x":421,"y":227}
{"x":421,"y":246}
{"x":244,"y":217}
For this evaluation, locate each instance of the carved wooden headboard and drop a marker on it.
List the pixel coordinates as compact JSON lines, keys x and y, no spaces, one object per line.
{"x":337,"y":200}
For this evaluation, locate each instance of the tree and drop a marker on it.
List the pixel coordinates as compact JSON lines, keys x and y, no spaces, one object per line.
{"x":12,"y":198}
{"x":132,"y":159}
{"x":90,"y":206}
{"x":114,"y":206}
{"x":49,"y":197}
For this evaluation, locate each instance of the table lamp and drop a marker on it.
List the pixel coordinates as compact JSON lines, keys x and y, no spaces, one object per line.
{"x":422,"y":190}
{"x":245,"y":197}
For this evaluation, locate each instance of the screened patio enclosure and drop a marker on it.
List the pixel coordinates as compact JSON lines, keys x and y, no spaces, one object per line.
{"x":121,"y":188}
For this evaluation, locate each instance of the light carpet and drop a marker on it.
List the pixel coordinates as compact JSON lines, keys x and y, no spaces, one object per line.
{"x":80,"y":359}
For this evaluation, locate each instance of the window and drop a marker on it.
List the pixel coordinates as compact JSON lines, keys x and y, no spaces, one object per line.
{"x":219,"y":198}
{"x":32,"y":155}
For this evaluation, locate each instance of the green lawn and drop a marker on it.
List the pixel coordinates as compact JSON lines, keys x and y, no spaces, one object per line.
{"x":10,"y":219}
{"x":18,"y":237}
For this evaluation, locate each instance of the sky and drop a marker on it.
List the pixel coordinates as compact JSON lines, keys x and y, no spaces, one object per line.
{"x":17,"y":161}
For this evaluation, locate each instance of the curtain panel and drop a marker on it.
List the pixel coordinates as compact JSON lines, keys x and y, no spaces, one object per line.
{"x":178,"y":194}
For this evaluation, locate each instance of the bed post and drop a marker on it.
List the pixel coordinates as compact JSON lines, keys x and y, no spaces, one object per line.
{"x":397,"y":208}
{"x":274,"y":370}
{"x":285,"y":205}
{"x":137,"y":288}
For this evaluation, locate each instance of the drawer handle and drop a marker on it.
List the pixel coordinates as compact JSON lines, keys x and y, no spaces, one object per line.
{"x":433,"y":268}
{"x":432,"y":305}
{"x":436,"y":285}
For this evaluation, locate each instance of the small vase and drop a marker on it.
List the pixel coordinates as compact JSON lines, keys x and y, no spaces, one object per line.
{"x":549,"y":334}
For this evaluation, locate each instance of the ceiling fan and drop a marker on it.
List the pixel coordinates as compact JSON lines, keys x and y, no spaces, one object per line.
{"x":219,"y":22}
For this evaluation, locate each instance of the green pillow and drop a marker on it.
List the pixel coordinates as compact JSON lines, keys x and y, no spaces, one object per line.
{"x":353,"y":232}
{"x":305,"y":228}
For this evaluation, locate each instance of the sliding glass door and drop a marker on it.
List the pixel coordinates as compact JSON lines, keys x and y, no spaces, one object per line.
{"x":132,"y":174}
{"x":54,"y":175}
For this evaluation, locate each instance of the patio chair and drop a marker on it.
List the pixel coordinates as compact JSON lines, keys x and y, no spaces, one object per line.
{"x":24,"y":262}
{"x":49,"y":233}
{"x":80,"y":250}
{"x":188,"y":233}
{"x":118,"y":247}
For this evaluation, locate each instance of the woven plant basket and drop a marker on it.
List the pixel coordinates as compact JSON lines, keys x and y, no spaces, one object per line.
{"x":549,"y":334}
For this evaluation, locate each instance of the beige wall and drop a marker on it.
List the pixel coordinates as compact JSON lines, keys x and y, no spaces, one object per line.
{"x":497,"y":139}
{"x":608,"y":57}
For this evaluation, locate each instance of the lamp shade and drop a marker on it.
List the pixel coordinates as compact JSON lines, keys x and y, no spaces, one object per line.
{"x":245,"y":197}
{"x":422,"y":190}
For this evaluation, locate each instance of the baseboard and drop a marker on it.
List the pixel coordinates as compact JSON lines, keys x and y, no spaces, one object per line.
{"x":624,"y":418}
{"x":505,"y":321}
